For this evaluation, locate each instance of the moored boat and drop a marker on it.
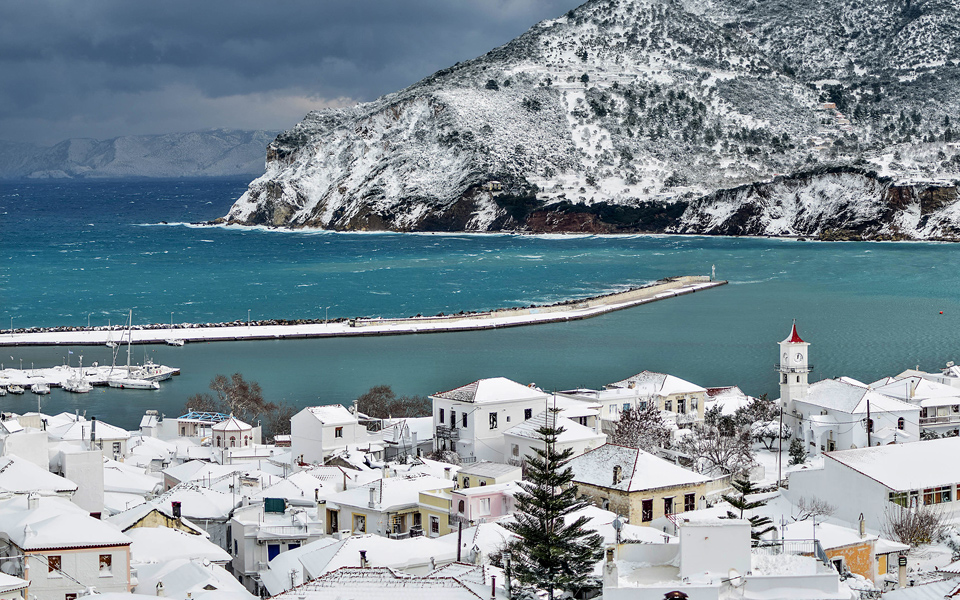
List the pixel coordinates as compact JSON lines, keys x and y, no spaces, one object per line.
{"x":128,"y":383}
{"x":15,"y":389}
{"x":40,"y":388}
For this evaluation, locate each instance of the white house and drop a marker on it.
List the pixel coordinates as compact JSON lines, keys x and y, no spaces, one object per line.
{"x":234,"y":433}
{"x":471,"y":419}
{"x":678,"y":398}
{"x":522,"y":439}
{"x":939,"y":403}
{"x":64,"y":550}
{"x":316,"y":432}
{"x":260,"y":532}
{"x":833,"y":416}
{"x":385,"y":507}
{"x":877,"y":481}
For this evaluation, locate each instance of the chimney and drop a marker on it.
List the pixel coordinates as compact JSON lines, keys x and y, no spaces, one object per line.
{"x":611,"y":576}
{"x":863,"y":527}
{"x":175,"y":505}
{"x":33,"y":501}
{"x":160,"y":591}
{"x":373,"y":497}
{"x":363,"y":559}
{"x":446,"y":472}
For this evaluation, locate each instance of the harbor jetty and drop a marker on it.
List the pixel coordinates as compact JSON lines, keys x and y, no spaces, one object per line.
{"x":569,"y":310}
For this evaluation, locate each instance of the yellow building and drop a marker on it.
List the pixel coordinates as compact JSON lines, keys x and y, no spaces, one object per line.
{"x":866,"y":555}
{"x":487,"y":473}
{"x":636,"y":484}
{"x":435,"y":512}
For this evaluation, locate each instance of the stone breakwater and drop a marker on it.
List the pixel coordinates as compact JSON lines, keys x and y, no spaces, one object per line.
{"x":567,"y":310}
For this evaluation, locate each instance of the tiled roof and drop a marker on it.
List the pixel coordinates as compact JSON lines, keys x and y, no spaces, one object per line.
{"x":494,"y":389}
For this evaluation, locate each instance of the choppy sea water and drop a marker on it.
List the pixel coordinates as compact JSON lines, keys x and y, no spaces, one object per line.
{"x":74,"y":251}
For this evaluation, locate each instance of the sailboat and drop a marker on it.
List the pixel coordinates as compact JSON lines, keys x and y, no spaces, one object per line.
{"x":76,"y":383}
{"x":125,"y":380}
{"x":173,"y":341}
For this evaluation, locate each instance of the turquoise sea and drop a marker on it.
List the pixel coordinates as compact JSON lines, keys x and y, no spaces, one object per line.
{"x":73,"y":251}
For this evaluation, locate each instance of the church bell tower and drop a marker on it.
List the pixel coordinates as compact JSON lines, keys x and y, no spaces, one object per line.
{"x":793,"y":369}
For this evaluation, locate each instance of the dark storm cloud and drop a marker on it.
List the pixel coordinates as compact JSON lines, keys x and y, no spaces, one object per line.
{"x":108,"y":68}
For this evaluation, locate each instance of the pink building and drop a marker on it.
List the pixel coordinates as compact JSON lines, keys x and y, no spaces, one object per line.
{"x":482,"y":504}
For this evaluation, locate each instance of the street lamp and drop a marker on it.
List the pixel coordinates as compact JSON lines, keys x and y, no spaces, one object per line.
{"x":326,"y":313}
{"x":88,"y":320}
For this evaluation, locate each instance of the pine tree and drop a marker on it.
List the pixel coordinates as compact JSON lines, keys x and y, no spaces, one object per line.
{"x":797,"y":452}
{"x":759,"y":524}
{"x":550,"y":554}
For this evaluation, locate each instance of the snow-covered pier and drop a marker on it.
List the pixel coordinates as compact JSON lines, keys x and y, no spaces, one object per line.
{"x":571,"y":310}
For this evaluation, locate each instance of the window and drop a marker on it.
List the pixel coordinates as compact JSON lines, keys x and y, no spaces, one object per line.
{"x":668,"y":506}
{"x":71,"y":596}
{"x":417,"y":520}
{"x":626,"y":406}
{"x":434,"y":525}
{"x":453,"y":418}
{"x":668,"y":405}
{"x":441,"y":416}
{"x":106,"y":565}
{"x":682,"y":406}
{"x":460,"y":507}
{"x":293,"y":546}
{"x":466,"y":482}
{"x":689,"y":502}
{"x":901,"y":423}
{"x":116,"y":447}
{"x":646,"y":510}
{"x":53,"y":566}
{"x":233,"y":441}
{"x":694,"y":405}
{"x":784,"y":378}
{"x":218,"y":441}
{"x":484,"y":506}
{"x":898,"y":498}
{"x":236,"y":550}
{"x":338,"y":432}
{"x":463,"y":421}
{"x":527,"y":414}
{"x":483,"y":483}
{"x":515,"y":450}
{"x":605,"y":503}
{"x":359,"y":524}
{"x":493,"y":420}
{"x":937,"y":495}
{"x":273,"y":551}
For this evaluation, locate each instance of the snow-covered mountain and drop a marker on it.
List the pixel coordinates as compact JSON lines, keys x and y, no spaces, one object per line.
{"x":720,"y":116}
{"x":212,"y":153}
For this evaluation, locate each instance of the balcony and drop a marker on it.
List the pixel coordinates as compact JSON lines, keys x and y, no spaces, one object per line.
{"x":279,"y":532}
{"x":943,"y":420}
{"x":447,"y":433}
{"x":792,"y":369}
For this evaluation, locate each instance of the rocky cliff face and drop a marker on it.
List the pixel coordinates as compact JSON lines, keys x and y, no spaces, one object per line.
{"x":712,"y":116}
{"x":213,"y":153}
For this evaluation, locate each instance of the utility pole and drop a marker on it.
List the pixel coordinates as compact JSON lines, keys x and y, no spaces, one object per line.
{"x":780,"y":453}
{"x":869,"y":425}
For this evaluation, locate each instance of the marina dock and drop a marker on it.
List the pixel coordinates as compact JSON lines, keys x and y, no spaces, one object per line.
{"x":571,"y":310}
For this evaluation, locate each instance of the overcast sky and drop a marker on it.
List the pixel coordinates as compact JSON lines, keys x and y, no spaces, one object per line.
{"x":106,"y":68}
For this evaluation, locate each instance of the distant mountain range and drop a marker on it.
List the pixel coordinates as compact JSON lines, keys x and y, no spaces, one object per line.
{"x":810,"y":118}
{"x":212,"y":153}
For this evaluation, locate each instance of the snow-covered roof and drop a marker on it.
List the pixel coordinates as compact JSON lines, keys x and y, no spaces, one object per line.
{"x":124,"y":478}
{"x":729,"y":399}
{"x":421,"y":426}
{"x":130,"y":517}
{"x":299,"y":488}
{"x":161,"y":544}
{"x":232,"y":424}
{"x":380,"y":551}
{"x":904,"y":467}
{"x":148,"y":421}
{"x":198,"y":502}
{"x":922,"y":391}
{"x":660,"y":384}
{"x":80,"y":430}
{"x":55,"y":523}
{"x":485,"y":468}
{"x":572,"y":431}
{"x":833,"y":394}
{"x":639,"y":470}
{"x":19,"y":476}
{"x":392,"y":492}
{"x":833,"y":536}
{"x":494,"y":389}
{"x":332,"y":414}
{"x":200,"y":578}
{"x":575,"y":407}
{"x":932,"y":590}
{"x":375,"y":583}
{"x":9,"y":583}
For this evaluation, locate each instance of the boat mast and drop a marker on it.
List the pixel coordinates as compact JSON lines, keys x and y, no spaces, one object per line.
{"x":129,"y":338}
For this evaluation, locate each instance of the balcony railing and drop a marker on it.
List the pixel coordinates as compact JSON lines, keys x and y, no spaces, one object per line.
{"x":946,"y":420}
{"x":448,"y":433}
{"x":283,"y":531}
{"x":792,"y":369}
{"x":800,"y":547}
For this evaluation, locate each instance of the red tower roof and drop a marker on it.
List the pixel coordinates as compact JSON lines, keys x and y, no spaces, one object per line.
{"x":794,"y":338}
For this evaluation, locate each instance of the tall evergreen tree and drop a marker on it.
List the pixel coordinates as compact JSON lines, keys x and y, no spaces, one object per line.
{"x":551,"y":554}
{"x":759,"y":524}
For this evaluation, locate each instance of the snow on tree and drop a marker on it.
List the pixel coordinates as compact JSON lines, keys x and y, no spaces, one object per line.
{"x":641,"y":428}
{"x":759,"y":524}
{"x":713,"y":453}
{"x":769,"y":432}
{"x":797,"y":452}
{"x":550,"y":554}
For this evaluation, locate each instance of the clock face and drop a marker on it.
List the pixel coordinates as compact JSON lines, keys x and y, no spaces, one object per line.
{"x":799,"y":356}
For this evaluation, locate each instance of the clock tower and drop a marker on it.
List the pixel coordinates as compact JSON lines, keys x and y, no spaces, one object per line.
{"x":793,"y":369}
